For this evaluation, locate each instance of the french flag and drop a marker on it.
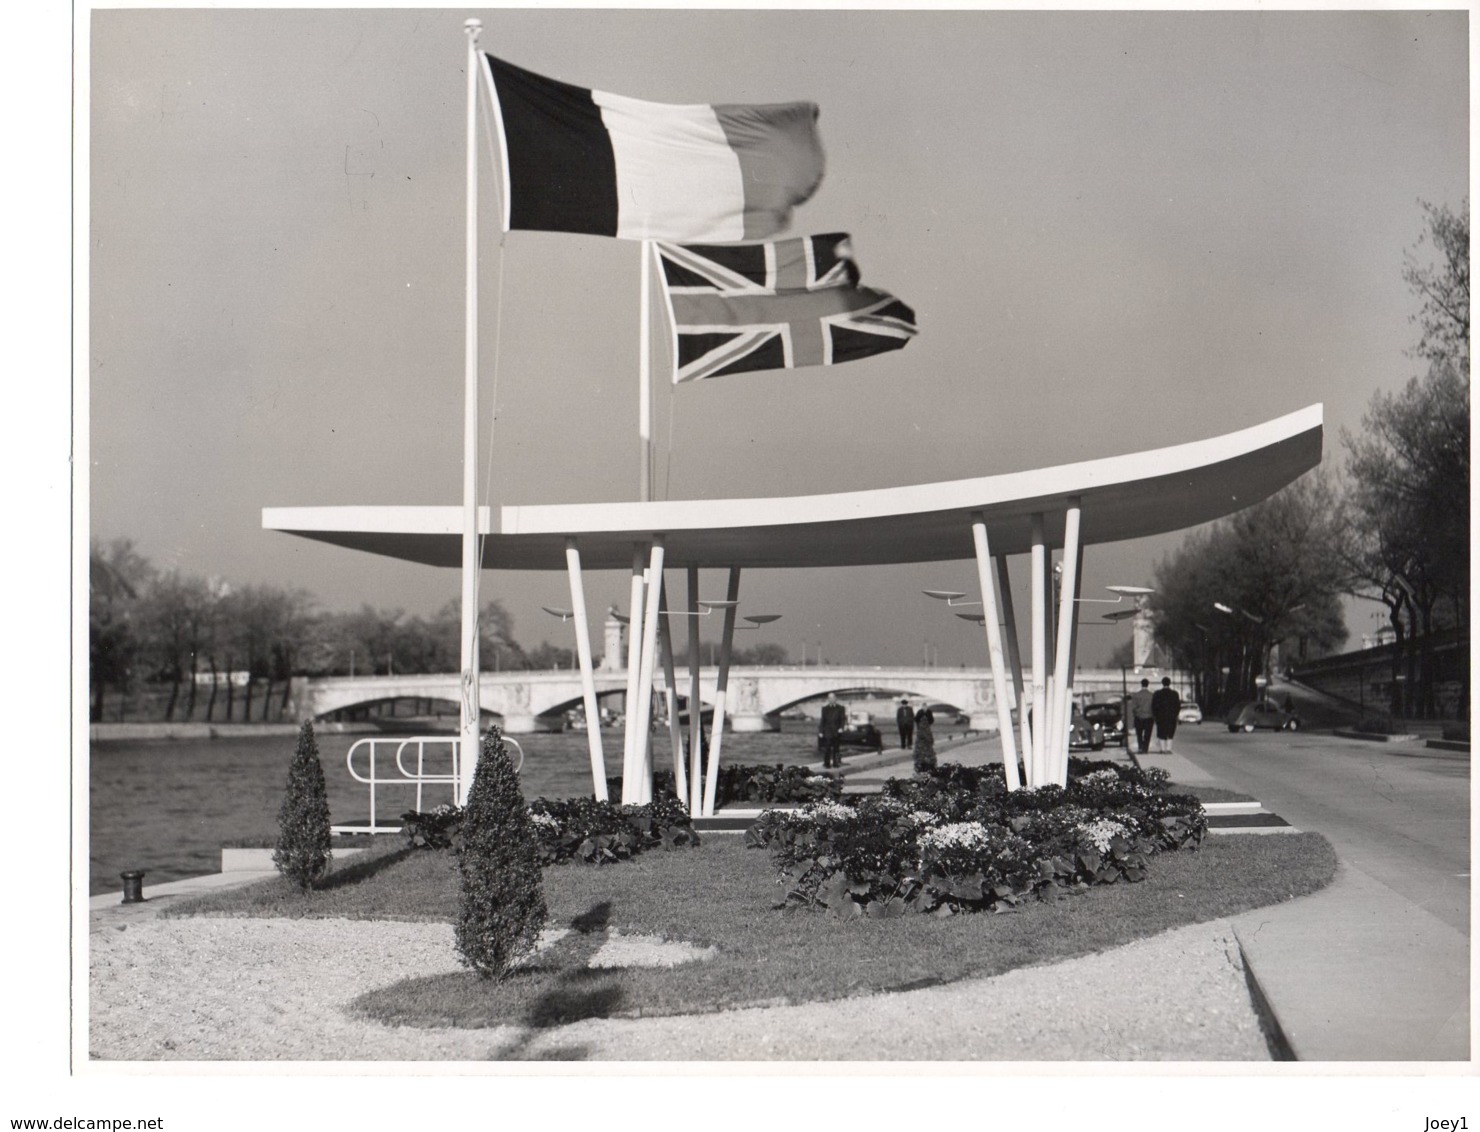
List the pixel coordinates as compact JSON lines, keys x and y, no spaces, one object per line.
{"x":578,"y":160}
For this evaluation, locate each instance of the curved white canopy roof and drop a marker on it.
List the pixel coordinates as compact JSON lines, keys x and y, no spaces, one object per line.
{"x":1122,"y":497}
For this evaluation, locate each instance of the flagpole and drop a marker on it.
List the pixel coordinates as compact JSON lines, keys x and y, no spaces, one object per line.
{"x":645,"y":377}
{"x":469,"y":713}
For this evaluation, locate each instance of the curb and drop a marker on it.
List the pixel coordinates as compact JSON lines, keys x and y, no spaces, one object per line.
{"x":1340,"y":734}
{"x":1280,"y":1048}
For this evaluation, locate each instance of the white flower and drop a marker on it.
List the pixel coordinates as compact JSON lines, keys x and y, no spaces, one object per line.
{"x":1107,"y":776}
{"x":818,"y":779}
{"x":546,"y":820}
{"x":1101,"y":832}
{"x":957,"y":835}
{"x":826,"y":811}
{"x":921,"y":817}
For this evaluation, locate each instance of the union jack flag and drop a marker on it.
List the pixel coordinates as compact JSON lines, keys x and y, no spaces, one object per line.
{"x":779,"y":305}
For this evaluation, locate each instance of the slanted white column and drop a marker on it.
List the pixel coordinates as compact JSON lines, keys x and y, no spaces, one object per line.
{"x":1074,"y":641}
{"x":1014,"y":655}
{"x":696,"y":708}
{"x":722,"y":683}
{"x":588,"y":674}
{"x":994,"y":649}
{"x":1068,"y":590}
{"x":634,"y":667}
{"x":1040,"y":653}
{"x":643,"y":753}
{"x":670,"y":691}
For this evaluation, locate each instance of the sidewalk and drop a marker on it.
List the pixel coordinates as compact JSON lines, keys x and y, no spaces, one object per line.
{"x":1355,"y":972}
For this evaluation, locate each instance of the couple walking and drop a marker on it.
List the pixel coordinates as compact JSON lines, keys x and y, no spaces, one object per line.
{"x":1155,"y":709}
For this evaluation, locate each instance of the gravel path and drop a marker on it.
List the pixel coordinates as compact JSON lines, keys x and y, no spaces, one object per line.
{"x":254,"y":989}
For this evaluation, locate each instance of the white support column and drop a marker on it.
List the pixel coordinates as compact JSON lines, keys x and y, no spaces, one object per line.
{"x":670,"y":691}
{"x":1074,"y":638}
{"x":722,"y":683}
{"x":696,"y":707}
{"x":1068,"y":588}
{"x":994,"y":649}
{"x":634,"y":666}
{"x":588,"y":674}
{"x":1040,"y":654}
{"x":1014,"y":655}
{"x":643,"y":753}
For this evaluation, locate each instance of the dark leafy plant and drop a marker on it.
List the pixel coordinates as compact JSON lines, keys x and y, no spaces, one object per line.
{"x":600,"y":833}
{"x":434,"y":829}
{"x":955,"y":840}
{"x":302,"y":853}
{"x":501,"y":906}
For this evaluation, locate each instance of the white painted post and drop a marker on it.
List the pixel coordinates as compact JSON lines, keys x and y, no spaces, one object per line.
{"x":1068,"y":588}
{"x":634,"y":667}
{"x":994,"y":649}
{"x":670,"y":692}
{"x":469,"y":710}
{"x":722,"y":684}
{"x":1040,"y":650}
{"x":1014,"y":654}
{"x":696,"y":707}
{"x":588,"y":673}
{"x":645,"y":679}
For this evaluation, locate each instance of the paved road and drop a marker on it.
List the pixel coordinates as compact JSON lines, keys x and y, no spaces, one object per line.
{"x":1398,"y":812}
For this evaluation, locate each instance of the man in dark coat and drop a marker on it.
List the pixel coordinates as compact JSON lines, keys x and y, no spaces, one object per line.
{"x":834,"y":720}
{"x":1143,"y":717}
{"x":905,"y":718}
{"x":1165,"y":705}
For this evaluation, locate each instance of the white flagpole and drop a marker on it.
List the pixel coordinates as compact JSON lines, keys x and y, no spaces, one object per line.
{"x":645,"y":377}
{"x":469,"y":714}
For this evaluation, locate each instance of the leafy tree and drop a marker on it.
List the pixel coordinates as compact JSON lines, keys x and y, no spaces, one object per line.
{"x":303,"y":854}
{"x":1270,"y":576}
{"x":117,"y":577}
{"x":501,"y":906}
{"x":1409,"y":472}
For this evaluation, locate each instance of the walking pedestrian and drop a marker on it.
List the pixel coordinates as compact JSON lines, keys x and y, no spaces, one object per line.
{"x":905,"y":719}
{"x":1141,"y":716}
{"x":1165,"y":705}
{"x":829,"y":728}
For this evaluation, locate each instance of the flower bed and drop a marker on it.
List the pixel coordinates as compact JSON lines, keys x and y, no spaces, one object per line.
{"x":957,"y":840}
{"x":744,"y":782}
{"x":576,"y":829}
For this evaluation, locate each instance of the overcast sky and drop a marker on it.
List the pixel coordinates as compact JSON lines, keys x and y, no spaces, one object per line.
{"x":1119,"y":231}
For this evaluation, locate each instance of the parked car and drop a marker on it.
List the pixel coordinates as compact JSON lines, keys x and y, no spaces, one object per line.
{"x":1084,"y":733}
{"x":860,"y":732}
{"x":1190,"y":713}
{"x":1248,"y":717}
{"x":1109,"y":717}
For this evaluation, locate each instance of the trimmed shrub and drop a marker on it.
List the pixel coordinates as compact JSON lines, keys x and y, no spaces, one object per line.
{"x":924,"y":748}
{"x":302,"y":853}
{"x":501,"y":906}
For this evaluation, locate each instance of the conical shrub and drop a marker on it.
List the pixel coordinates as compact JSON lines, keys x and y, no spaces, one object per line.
{"x":924,"y":749}
{"x":302,"y":854}
{"x":501,"y":908}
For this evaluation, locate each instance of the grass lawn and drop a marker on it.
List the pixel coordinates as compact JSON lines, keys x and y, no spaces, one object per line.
{"x":722,"y":894}
{"x":1210,"y":793}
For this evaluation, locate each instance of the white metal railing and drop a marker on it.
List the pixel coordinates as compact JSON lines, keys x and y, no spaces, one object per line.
{"x":419,"y":778}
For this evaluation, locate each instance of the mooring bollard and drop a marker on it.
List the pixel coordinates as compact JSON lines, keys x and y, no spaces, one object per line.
{"x":133,"y":887}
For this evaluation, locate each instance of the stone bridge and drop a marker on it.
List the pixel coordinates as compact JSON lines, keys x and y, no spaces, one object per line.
{"x":533,"y":701}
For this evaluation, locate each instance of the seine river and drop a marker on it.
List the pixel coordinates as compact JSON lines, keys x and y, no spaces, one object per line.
{"x":168,"y":806}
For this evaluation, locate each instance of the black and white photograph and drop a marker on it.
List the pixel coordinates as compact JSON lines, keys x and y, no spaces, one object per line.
{"x":519,"y":643}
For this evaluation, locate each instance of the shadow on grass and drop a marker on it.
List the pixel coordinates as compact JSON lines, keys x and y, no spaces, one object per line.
{"x":553,"y":988}
{"x":361,"y":867}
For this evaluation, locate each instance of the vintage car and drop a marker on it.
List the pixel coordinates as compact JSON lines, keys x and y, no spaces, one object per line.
{"x":1085,"y":734}
{"x":1261,"y":714}
{"x":1190,"y":713}
{"x":1111,"y":721}
{"x":860,"y":732}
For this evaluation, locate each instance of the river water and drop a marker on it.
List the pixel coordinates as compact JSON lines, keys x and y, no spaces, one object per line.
{"x":168,"y":806}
